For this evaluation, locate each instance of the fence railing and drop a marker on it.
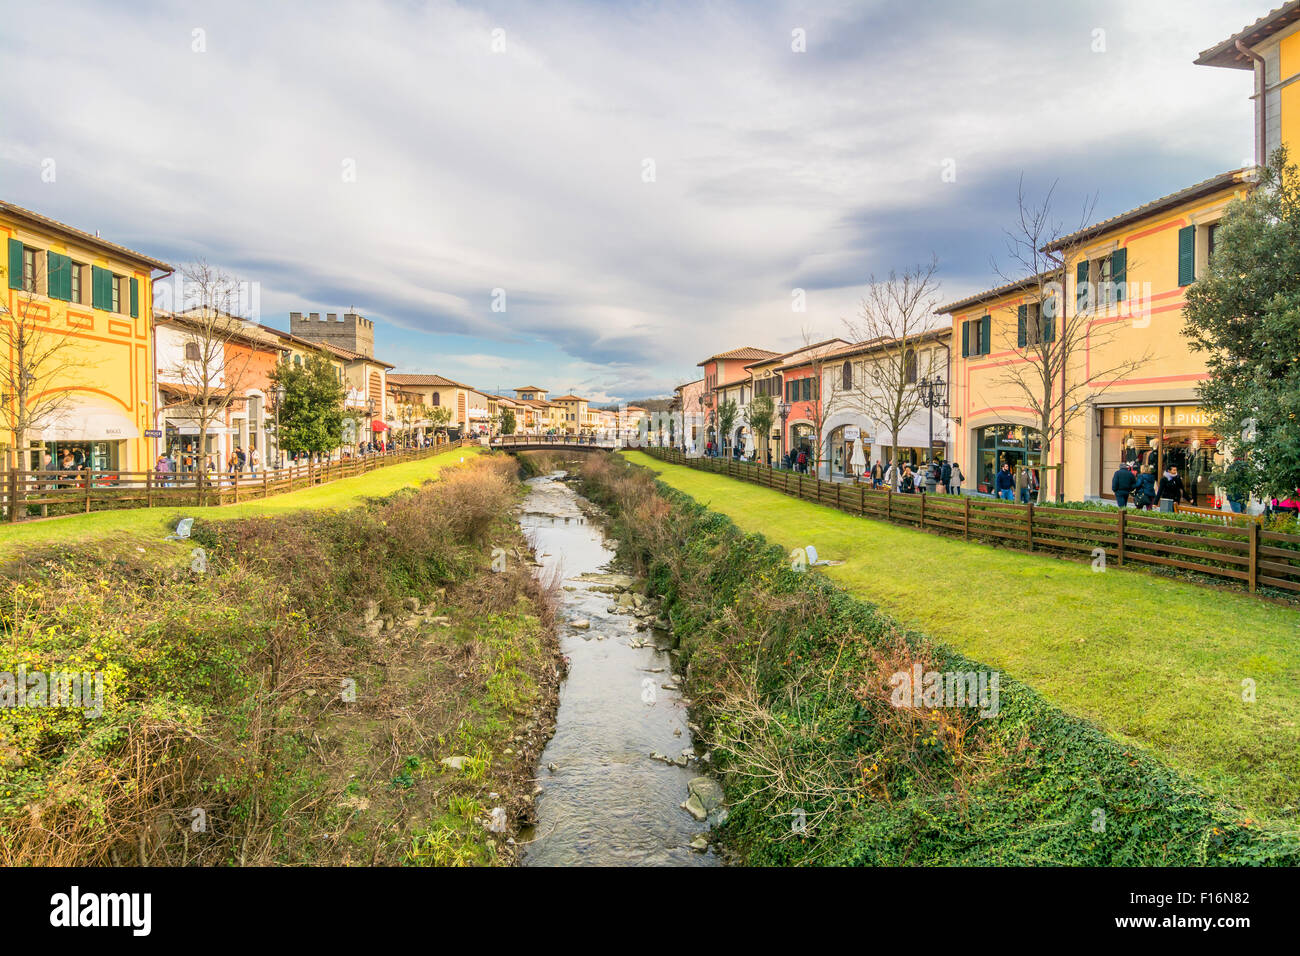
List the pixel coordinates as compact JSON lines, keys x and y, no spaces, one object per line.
{"x":587,"y":441}
{"x":27,"y":494}
{"x":1233,"y":547}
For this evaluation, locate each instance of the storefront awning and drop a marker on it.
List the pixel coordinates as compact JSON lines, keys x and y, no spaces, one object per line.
{"x":88,"y":424}
{"x":378,"y":426}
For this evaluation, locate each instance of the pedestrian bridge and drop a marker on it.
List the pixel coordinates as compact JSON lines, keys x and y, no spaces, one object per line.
{"x":585,"y":443}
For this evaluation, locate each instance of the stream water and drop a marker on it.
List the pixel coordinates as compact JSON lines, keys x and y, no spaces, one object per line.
{"x":607,"y":802}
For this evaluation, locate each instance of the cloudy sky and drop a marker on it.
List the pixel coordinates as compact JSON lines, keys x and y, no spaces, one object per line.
{"x":639,"y":185}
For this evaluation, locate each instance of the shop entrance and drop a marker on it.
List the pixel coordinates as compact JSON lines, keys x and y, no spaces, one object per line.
{"x":1016,"y":445}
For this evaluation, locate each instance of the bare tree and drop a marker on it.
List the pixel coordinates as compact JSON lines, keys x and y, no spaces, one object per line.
{"x":829,"y":395}
{"x":895,"y":315}
{"x":213,"y":370}
{"x":41,"y":362}
{"x":1051,"y":338}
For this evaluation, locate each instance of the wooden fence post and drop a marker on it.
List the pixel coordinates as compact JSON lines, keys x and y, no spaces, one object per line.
{"x":923,"y":497}
{"x":1123,"y":521}
{"x":148,"y":488}
{"x":1029,"y":516}
{"x":965,"y":523}
{"x":236,"y":486}
{"x":1254,"y":555}
{"x":889,"y":504}
{"x":86,"y":473}
{"x":13,"y":496}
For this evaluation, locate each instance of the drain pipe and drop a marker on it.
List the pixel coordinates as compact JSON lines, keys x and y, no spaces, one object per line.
{"x":1261,"y":87}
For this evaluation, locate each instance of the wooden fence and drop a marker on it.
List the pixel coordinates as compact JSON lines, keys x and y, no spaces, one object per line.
{"x":39,"y":493}
{"x":1233,"y":547}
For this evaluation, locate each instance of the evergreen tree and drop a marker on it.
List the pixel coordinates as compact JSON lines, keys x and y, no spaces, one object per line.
{"x":1244,"y":313}
{"x":311,"y":415}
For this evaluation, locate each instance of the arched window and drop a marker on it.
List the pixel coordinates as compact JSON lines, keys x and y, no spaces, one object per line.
{"x":847,"y":376}
{"x":909,"y":366}
{"x":437,"y":399}
{"x":192,"y":352}
{"x":297,"y":360}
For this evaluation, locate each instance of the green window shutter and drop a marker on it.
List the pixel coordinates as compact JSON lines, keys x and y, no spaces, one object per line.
{"x":965,"y":339}
{"x":58,"y":276}
{"x":1081,"y":295}
{"x":15,"y":264}
{"x":135,"y":297}
{"x":101,"y":288}
{"x":1186,"y":255}
{"x":986,"y":334}
{"x":1119,"y":273}
{"x":1022,"y":315}
{"x":1047,"y":321}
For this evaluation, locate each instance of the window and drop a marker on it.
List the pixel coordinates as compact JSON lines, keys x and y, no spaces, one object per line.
{"x":909,"y":366}
{"x":116,"y":300}
{"x":30,"y":275}
{"x":75,"y":282}
{"x":846,"y":376}
{"x":976,"y":336}
{"x":437,"y":399}
{"x":297,"y":360}
{"x":192,"y":352}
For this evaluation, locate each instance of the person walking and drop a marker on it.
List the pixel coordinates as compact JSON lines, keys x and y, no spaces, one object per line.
{"x":945,"y":477}
{"x":908,"y":485}
{"x":877,"y":474}
{"x":1144,"y":495}
{"x":254,"y":460}
{"x":1122,"y":484}
{"x":1022,"y":485}
{"x":1171,"y":489}
{"x":1004,"y":485}
{"x":955,"y":480}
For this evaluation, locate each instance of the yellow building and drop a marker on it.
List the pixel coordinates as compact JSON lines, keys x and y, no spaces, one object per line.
{"x":1129,"y":369}
{"x":82,"y":307}
{"x":1122,"y":285}
{"x":574,"y":418}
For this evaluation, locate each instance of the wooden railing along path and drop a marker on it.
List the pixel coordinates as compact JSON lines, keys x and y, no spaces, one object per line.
{"x":1234,"y":547}
{"x":66,"y":492}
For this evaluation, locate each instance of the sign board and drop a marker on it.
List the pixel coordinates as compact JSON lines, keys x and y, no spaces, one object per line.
{"x":852,"y":433}
{"x":153,"y":433}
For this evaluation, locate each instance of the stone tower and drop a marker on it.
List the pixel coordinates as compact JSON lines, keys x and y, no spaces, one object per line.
{"x":353,"y":332}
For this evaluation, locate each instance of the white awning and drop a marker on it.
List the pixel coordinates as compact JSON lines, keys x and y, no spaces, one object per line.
{"x":88,"y":424}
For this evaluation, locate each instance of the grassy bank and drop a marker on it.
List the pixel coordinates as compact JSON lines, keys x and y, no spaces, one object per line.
{"x":793,"y":679}
{"x":1153,"y":661}
{"x":150,"y":522}
{"x":319,"y":687}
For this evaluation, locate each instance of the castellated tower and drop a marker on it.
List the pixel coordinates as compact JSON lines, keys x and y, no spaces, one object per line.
{"x":353,"y":332}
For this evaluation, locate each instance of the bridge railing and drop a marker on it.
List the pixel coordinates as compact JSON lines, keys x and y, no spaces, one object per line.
{"x":550,"y":441}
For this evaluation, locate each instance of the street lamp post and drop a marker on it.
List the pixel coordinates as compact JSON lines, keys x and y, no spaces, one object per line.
{"x":784,"y":410}
{"x":933,"y":396}
{"x":279,"y":400}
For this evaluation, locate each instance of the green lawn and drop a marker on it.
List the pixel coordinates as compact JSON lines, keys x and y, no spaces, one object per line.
{"x":1149,"y":659}
{"x":336,"y":494}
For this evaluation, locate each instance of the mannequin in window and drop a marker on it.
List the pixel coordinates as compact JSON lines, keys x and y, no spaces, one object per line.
{"x":1152,"y":459}
{"x":1130,"y":450}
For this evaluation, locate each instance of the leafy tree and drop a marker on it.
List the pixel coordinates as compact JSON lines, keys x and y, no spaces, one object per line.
{"x":311,"y":415}
{"x":440,"y":416}
{"x":1244,"y":313}
{"x":762,"y":410}
{"x":727,"y":412}
{"x":507,"y":421}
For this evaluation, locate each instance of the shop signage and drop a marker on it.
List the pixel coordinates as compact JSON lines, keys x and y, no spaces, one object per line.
{"x":1139,"y":417}
{"x":852,"y":433}
{"x":153,"y":433}
{"x":1188,"y":416}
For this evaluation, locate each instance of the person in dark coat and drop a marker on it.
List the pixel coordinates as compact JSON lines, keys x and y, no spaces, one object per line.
{"x":1123,"y":483}
{"x":1005,"y":484}
{"x":1171,"y":489}
{"x":1145,"y":495}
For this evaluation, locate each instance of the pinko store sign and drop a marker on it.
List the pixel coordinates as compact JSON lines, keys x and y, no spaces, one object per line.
{"x":1176,"y":416}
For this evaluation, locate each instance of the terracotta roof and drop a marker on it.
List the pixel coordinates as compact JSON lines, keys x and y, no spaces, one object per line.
{"x":81,"y":236}
{"x":236,"y":326}
{"x":809,"y":353}
{"x":1007,"y":289}
{"x":350,"y":355}
{"x":568,"y":398}
{"x":802,"y":348}
{"x":1226,"y":53}
{"x":531,"y":388}
{"x":1204,"y":188}
{"x":403,"y":378}
{"x":885,"y":341}
{"x":745,"y":352}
